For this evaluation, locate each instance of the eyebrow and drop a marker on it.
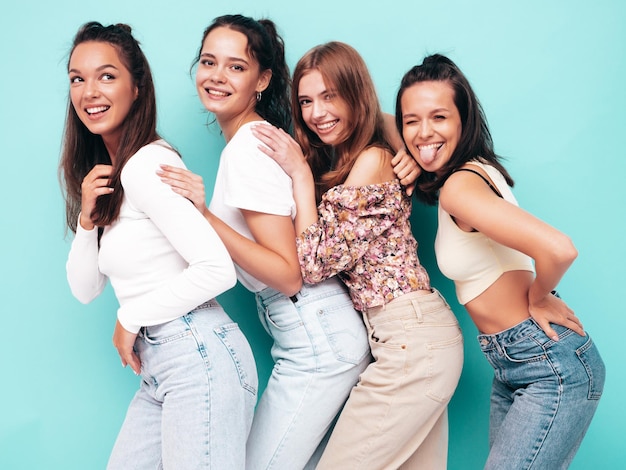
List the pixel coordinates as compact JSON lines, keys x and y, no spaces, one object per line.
{"x":326,"y":91}
{"x":235,"y":59}
{"x":434,"y":111}
{"x":102,"y":67}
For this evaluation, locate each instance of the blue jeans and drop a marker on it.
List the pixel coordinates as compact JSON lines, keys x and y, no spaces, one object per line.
{"x":543,"y":397}
{"x":320,"y":348}
{"x":196,"y":400}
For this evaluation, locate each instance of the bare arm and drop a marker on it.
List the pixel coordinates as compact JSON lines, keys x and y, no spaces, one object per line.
{"x":404,"y":165}
{"x":391,"y":132}
{"x":553,"y":252}
{"x":271,"y":258}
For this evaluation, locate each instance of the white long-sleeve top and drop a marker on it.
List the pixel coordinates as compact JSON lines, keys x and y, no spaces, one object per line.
{"x":161,"y":255}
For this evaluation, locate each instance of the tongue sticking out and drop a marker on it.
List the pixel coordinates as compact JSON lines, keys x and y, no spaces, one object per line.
{"x":427,"y":155}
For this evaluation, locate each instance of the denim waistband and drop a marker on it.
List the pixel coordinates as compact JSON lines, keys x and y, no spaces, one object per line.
{"x":212,"y":303}
{"x":510,"y":335}
{"x":522,"y":330}
{"x":419,"y":300}
{"x":307,"y":291}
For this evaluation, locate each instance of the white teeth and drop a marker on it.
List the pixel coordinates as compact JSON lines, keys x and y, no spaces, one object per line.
{"x":98,"y":109}
{"x":429,"y":146}
{"x":217,"y":93}
{"x":326,"y":126}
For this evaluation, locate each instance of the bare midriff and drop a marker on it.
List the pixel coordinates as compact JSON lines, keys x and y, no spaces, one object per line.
{"x":504,"y":304}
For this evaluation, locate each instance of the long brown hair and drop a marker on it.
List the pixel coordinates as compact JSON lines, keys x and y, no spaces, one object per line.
{"x":82,"y":150}
{"x":345,"y":73}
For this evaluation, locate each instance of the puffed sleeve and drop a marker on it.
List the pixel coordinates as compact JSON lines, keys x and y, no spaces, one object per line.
{"x":350,"y":219}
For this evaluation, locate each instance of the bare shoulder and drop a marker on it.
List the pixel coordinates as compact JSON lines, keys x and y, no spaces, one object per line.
{"x":463,"y":188}
{"x":372,"y":166}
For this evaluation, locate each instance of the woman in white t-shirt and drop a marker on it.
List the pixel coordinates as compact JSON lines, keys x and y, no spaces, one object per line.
{"x":320,"y":343}
{"x":198,"y":385}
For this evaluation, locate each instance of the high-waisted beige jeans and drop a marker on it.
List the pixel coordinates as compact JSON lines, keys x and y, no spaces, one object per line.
{"x":396,"y":415}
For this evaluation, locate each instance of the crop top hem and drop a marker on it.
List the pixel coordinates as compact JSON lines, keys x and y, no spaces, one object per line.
{"x":479,"y":288}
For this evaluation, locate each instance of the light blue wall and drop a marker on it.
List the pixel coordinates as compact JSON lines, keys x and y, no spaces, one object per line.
{"x":550,"y":75}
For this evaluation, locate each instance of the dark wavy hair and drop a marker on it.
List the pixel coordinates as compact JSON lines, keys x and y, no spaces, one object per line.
{"x":344,"y":71}
{"x":82,"y":150}
{"x":268,"y":48}
{"x":475,"y":142}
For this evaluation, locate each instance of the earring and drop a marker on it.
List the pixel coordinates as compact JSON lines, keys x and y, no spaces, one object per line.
{"x":258,"y":96}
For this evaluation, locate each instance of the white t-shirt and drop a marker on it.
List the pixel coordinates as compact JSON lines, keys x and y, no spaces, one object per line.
{"x":163,"y":258}
{"x":248,"y":179}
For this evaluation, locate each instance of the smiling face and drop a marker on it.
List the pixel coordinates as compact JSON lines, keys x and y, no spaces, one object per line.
{"x":323,"y":110}
{"x":102,"y":90}
{"x":228,"y":78}
{"x":431,"y":124}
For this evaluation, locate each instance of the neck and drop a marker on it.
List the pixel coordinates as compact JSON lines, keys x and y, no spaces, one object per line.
{"x":111,"y":145}
{"x":230,"y":126}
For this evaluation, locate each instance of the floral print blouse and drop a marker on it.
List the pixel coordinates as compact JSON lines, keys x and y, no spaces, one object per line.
{"x":363,"y":235}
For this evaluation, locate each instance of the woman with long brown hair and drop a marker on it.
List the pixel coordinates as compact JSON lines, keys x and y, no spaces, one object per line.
{"x":353,"y":222}
{"x":166,"y":264}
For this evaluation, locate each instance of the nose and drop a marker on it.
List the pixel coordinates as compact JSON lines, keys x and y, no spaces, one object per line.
{"x":91,"y":88}
{"x":425,"y":129}
{"x":217,"y":75}
{"x":319,"y":109}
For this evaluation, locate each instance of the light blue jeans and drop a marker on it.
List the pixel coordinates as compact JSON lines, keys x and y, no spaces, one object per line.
{"x":543,"y":397}
{"x":320,"y":348}
{"x":195,"y":404}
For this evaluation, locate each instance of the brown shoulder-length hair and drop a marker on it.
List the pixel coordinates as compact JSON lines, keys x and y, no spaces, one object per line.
{"x":346,"y":76}
{"x":475,"y":142}
{"x":82,"y":150}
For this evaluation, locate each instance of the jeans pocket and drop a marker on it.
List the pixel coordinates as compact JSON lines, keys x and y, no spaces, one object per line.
{"x":594,"y":365}
{"x":239,"y":350}
{"x":283,"y":315}
{"x":345,"y":332}
{"x":525,"y":350}
{"x":445,"y":360}
{"x":164,"y":333}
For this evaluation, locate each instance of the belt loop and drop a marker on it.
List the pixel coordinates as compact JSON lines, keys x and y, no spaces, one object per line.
{"x":441,"y":297}
{"x":418,"y":310}
{"x":496,"y":343}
